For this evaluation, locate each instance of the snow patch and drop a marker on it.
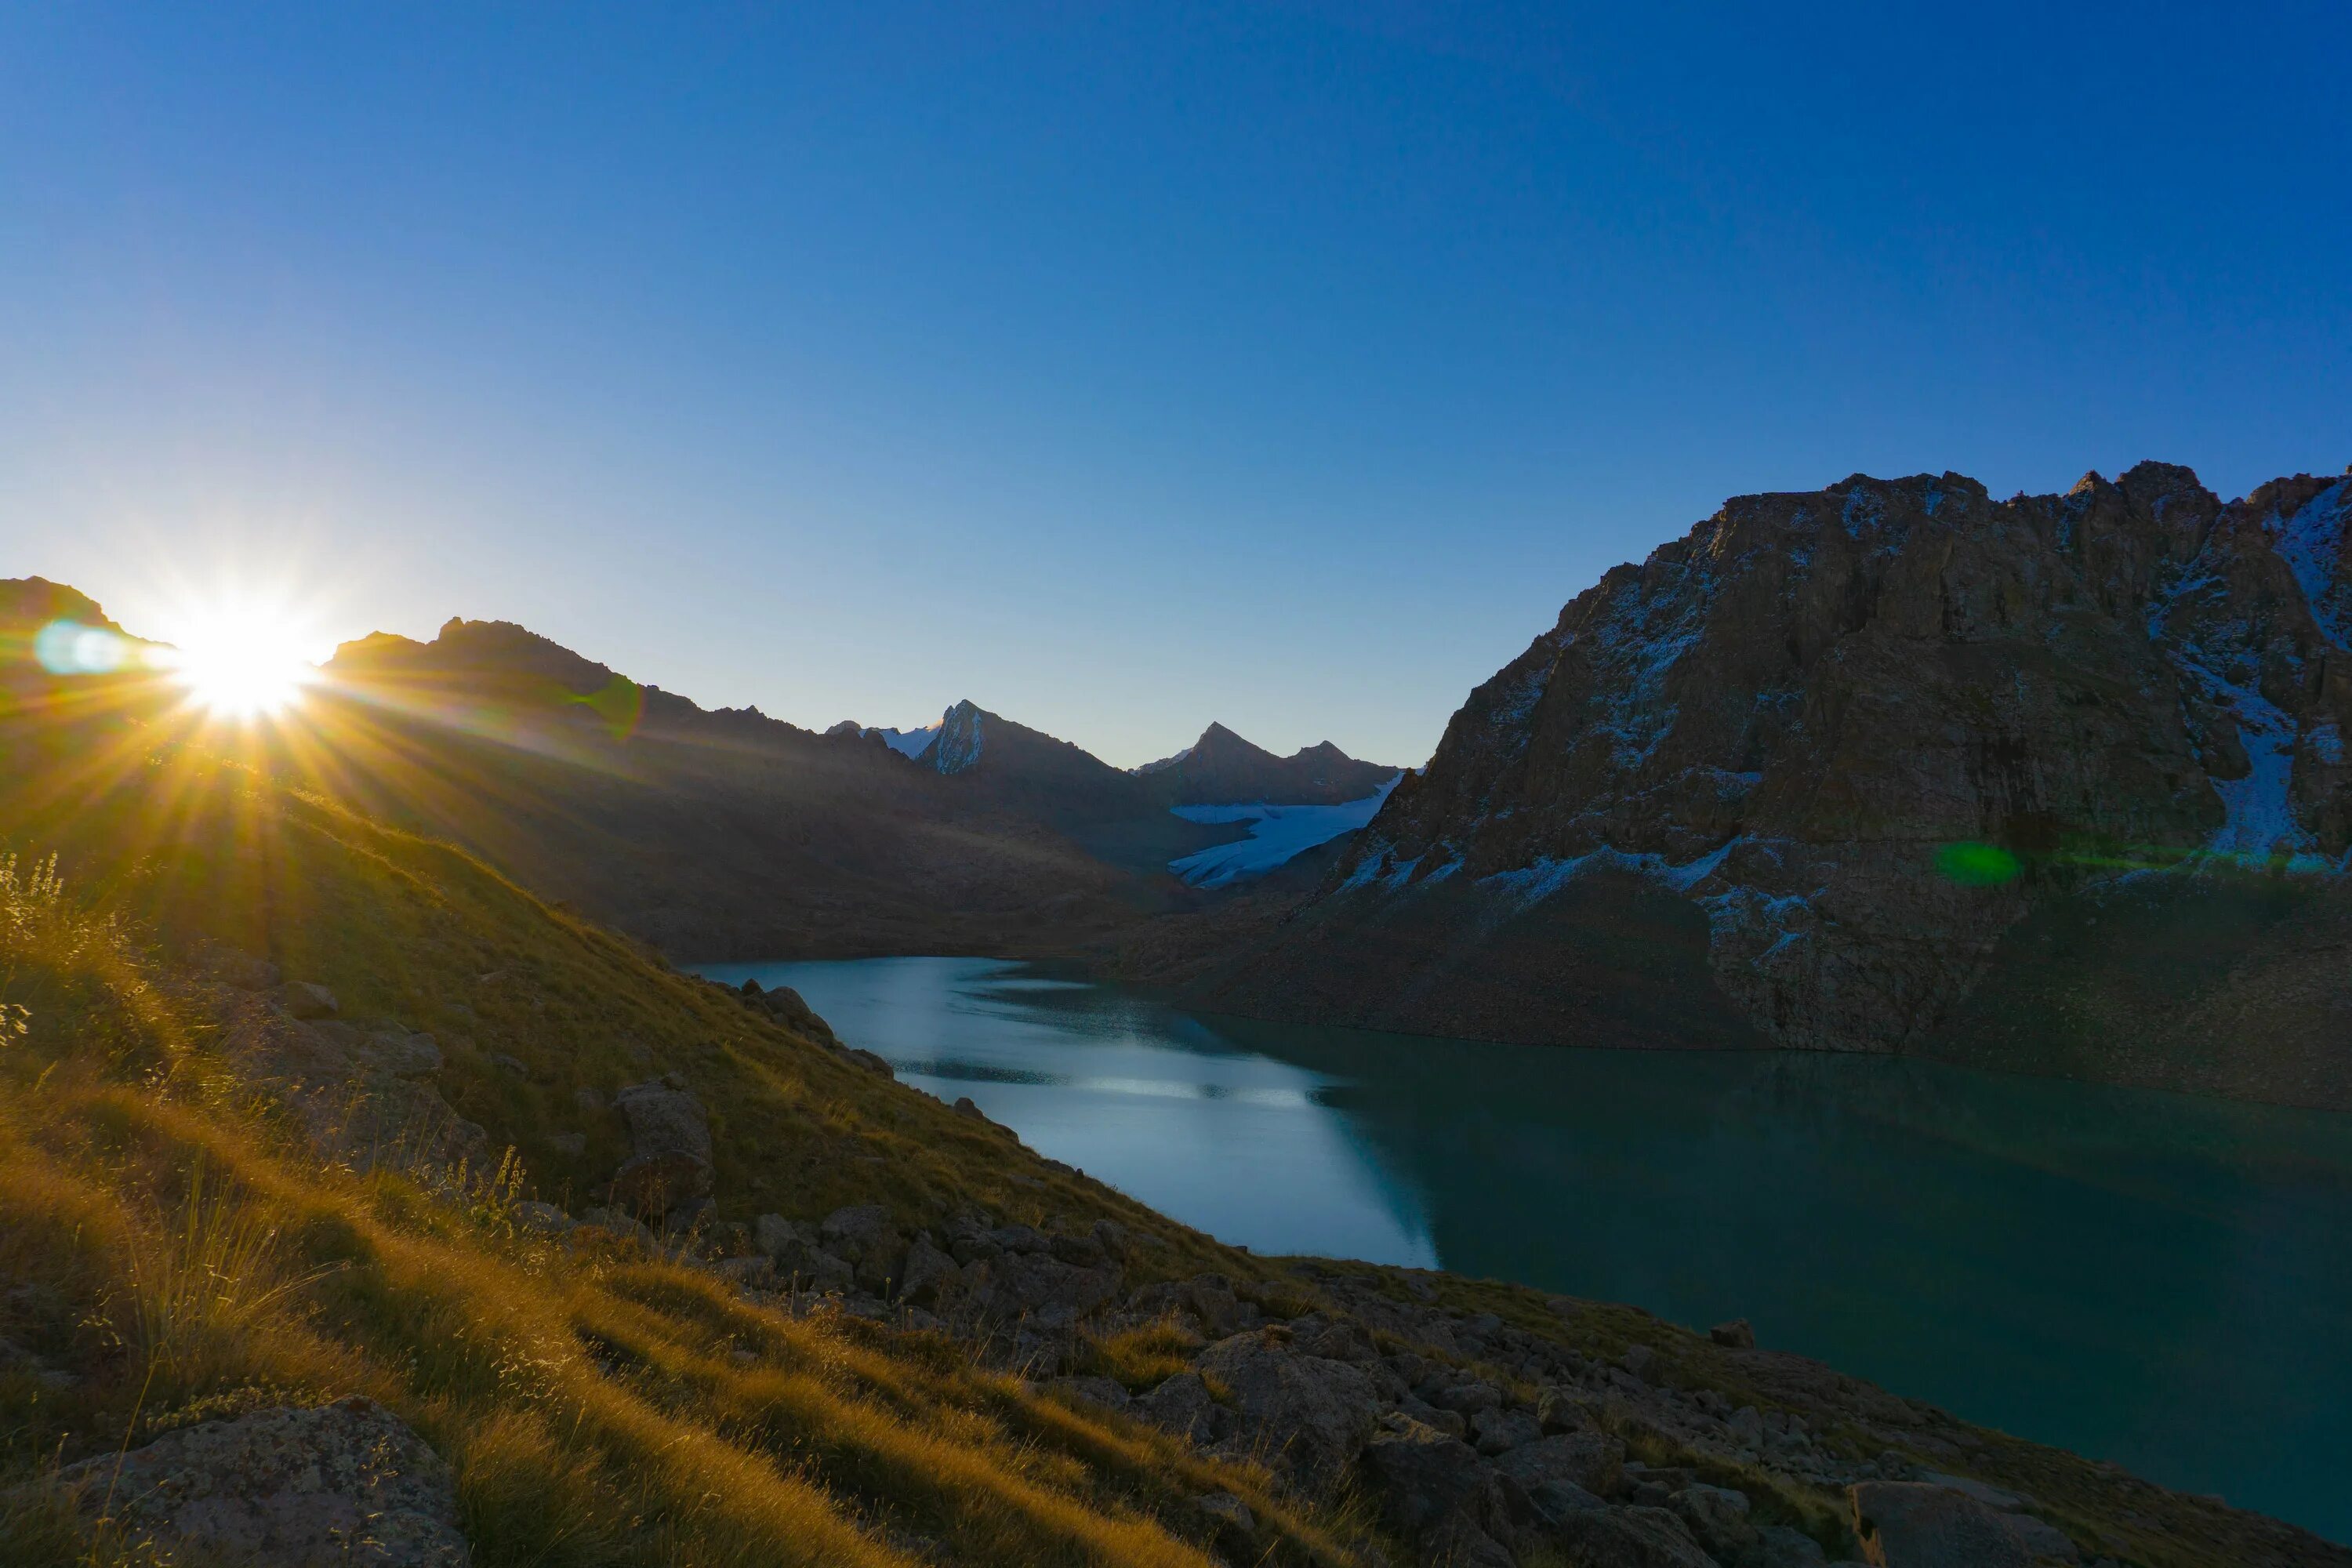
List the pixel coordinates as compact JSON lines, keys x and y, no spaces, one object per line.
{"x":1278,"y":834}
{"x":909,"y":744}
{"x":2311,"y":544}
{"x":1533,"y":883}
{"x":959,"y":739}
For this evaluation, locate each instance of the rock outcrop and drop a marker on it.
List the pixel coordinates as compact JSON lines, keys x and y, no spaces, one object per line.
{"x":1794,"y":779}
{"x":343,"y":1484}
{"x":669,"y":1148}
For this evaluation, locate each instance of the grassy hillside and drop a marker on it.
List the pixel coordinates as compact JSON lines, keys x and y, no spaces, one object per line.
{"x":185,"y":1254}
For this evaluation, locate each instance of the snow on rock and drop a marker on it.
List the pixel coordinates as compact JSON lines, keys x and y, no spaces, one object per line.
{"x":907,"y":742}
{"x":959,"y":742}
{"x":1278,"y":834}
{"x":2311,"y":544}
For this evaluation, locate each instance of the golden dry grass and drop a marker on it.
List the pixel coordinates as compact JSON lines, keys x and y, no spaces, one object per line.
{"x":190,"y":1256}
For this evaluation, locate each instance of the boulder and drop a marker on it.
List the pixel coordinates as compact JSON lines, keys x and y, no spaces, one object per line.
{"x":343,"y":1484}
{"x":1735,"y":1333}
{"x":1499,"y":1431}
{"x":929,"y":1275}
{"x":306,"y":999}
{"x":1919,"y":1524}
{"x":1716,"y":1517}
{"x":670,"y":1142}
{"x":865,"y":1237}
{"x":859,"y":1230}
{"x":1018,"y":1284}
{"x":1182,"y":1404}
{"x":1466,"y":1399}
{"x":1628,"y":1538}
{"x":782,"y":1239}
{"x":1563,"y":1410}
{"x":1778,"y":1546}
{"x":401,"y":1054}
{"x":1589,"y":1461}
{"x":1437,"y":1493}
{"x":1312,"y":1415}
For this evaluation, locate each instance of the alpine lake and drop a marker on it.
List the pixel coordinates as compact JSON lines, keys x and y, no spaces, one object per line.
{"x":2148,"y":1278}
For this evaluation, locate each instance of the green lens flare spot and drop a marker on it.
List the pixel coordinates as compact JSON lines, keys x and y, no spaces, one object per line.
{"x":1978,"y":864}
{"x":620,"y":703}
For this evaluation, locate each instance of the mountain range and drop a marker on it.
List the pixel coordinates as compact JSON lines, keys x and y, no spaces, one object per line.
{"x":2052,"y":783}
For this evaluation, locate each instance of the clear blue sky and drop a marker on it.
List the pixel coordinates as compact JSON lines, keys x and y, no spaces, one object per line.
{"x":1118,"y":367}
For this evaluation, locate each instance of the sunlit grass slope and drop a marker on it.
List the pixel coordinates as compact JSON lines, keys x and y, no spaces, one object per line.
{"x":183,"y":1254}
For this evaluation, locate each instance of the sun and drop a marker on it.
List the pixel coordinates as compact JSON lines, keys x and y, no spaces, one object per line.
{"x":242,"y":665}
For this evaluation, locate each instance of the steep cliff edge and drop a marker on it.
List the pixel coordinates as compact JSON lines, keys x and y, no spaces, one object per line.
{"x":1795,"y":778}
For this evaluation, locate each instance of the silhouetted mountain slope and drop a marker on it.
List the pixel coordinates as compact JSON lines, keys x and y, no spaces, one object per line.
{"x":727,"y":832}
{"x":1839,"y":753}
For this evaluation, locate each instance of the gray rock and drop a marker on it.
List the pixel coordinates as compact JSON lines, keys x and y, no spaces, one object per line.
{"x":782,"y":1239}
{"x":1918,"y":1525}
{"x":305,"y":999}
{"x":854,"y":1231}
{"x":1589,"y":1461}
{"x":1983,"y":1491}
{"x":1717,"y":1517}
{"x":1182,"y":1404}
{"x":1499,"y":1431}
{"x":1629,"y":1538}
{"x":1736,"y":1333}
{"x":512,"y":1066}
{"x":752,"y":1268}
{"x":669,"y":1142}
{"x":1778,"y":1546}
{"x":403,"y":1055}
{"x":341,"y":1484}
{"x":1312,"y":1415}
{"x":929,"y":1275}
{"x":1449,"y":1422}
{"x":1467,"y":1398}
{"x":1015,"y":1284}
{"x":1563,"y":1410}
{"x":964,"y":1106}
{"x":865,"y":1238}
{"x":1437,"y":1493}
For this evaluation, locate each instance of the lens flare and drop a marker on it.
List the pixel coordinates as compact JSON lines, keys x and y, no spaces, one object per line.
{"x":242,"y":665}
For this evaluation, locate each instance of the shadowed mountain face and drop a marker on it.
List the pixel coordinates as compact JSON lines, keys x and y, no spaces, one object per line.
{"x":1892,"y":746}
{"x":1222,"y":769}
{"x":729,"y":833}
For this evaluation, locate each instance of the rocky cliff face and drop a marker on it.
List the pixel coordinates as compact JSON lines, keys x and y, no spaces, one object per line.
{"x":1863,"y":731}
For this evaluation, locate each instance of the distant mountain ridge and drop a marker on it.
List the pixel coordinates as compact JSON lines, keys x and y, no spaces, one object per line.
{"x":1858,"y":768}
{"x":1221,"y":768}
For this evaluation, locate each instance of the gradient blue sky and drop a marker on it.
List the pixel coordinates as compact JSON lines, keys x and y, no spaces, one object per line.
{"x":1118,"y":367}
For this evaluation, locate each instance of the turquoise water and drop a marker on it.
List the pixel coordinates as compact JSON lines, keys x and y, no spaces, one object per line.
{"x":2148,"y":1278}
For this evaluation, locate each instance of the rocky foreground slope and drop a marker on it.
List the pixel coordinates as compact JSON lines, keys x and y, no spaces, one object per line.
{"x":1862,"y":768}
